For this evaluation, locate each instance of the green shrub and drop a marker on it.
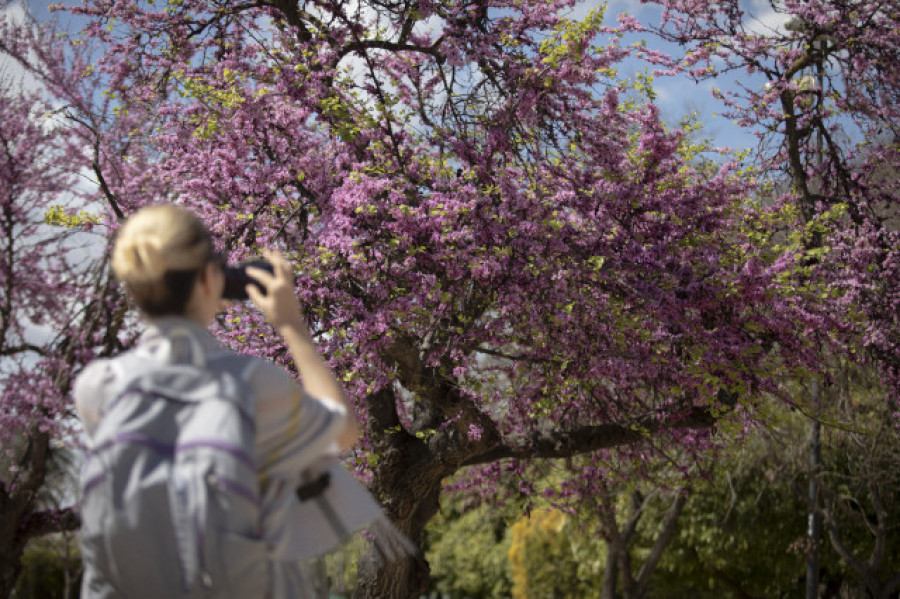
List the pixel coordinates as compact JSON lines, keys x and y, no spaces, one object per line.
{"x":50,"y":570}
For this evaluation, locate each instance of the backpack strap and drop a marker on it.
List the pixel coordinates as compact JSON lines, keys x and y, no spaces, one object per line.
{"x":198,"y":358}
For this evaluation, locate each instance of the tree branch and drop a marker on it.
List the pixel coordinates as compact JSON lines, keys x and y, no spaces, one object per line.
{"x":47,"y":522}
{"x":662,"y":541}
{"x":564,"y":444}
{"x":25,"y":347}
{"x":639,"y":503}
{"x":436,"y":392}
{"x":363,"y":45}
{"x":107,"y":192}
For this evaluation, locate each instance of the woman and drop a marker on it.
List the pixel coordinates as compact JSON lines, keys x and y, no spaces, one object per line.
{"x":165,"y":257}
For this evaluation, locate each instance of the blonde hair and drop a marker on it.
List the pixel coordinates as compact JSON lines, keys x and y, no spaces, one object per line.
{"x":159,"y":238}
{"x":158,"y":253}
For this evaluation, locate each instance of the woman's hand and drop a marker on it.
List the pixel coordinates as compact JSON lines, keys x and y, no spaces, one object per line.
{"x":279,"y":305}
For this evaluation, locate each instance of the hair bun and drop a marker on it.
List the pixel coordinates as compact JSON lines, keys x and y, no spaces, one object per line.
{"x":156,"y":239}
{"x":139,"y":260}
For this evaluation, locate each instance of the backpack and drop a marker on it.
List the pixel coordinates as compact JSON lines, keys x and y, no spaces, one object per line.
{"x":170,"y":502}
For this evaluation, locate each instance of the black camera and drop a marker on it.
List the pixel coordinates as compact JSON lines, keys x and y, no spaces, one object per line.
{"x":237,"y":279}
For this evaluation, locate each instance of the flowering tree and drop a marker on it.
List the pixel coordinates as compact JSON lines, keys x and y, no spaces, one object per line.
{"x":827,"y":117}
{"x":38,"y":283}
{"x":58,"y":307}
{"x":502,"y":248}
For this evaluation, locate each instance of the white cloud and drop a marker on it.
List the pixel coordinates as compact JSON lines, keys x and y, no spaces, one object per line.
{"x":762,"y":19}
{"x":10,"y":70}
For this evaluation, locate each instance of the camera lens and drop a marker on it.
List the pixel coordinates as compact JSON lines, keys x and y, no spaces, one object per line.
{"x":237,"y":279}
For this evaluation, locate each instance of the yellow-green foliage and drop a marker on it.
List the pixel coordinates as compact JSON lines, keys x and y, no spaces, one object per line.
{"x":569,"y":38}
{"x":467,"y":554}
{"x":545,"y":562}
{"x":57,"y":215}
{"x":50,"y":570}
{"x":225,"y":97}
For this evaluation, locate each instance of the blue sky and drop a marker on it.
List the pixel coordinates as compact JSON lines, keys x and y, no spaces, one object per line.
{"x":679,"y":96}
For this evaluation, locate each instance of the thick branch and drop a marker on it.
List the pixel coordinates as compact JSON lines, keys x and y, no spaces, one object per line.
{"x":47,"y":522}
{"x":362,"y":45}
{"x":292,"y":15}
{"x":107,"y":192}
{"x":662,"y":541}
{"x":842,"y":550}
{"x":563,"y":444}
{"x":639,"y":503}
{"x":792,"y":141}
{"x":436,"y":392}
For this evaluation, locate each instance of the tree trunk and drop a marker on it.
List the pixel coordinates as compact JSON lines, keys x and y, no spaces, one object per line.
{"x":17,"y":502}
{"x":20,"y":521}
{"x":407,"y":480}
{"x":11,"y":545}
{"x":411,"y":499}
{"x":610,"y":574}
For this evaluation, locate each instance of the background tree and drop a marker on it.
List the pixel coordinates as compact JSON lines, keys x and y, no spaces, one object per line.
{"x":620,"y":570}
{"x":467,"y":549}
{"x":51,"y":569}
{"x":558,"y":537}
{"x":860,"y":486}
{"x":741,"y":532}
{"x":827,"y":119}
{"x":857,"y":481}
{"x":540,"y":556}
{"x":823,"y":97}
{"x":58,"y":307}
{"x":39,"y":284}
